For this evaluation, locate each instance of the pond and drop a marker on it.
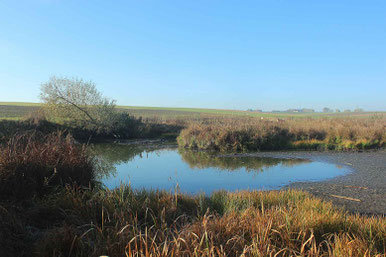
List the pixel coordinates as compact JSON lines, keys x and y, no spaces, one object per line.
{"x":169,"y":168}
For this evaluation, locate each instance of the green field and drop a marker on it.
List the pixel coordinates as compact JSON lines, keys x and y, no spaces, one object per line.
{"x":171,"y":110}
{"x":17,"y":110}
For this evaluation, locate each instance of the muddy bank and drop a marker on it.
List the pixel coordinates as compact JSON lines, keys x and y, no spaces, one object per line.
{"x":363,"y":190}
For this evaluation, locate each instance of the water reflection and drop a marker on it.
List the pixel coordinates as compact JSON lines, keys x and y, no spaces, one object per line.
{"x":164,"y":167}
{"x":202,"y":160}
{"x":109,"y":156}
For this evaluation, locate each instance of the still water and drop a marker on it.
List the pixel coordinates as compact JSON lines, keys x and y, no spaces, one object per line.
{"x":194,"y":171}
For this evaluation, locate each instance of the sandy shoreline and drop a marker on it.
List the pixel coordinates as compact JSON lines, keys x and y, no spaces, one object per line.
{"x":361,"y":191}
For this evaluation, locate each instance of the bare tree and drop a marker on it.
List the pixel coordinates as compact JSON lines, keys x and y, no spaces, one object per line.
{"x":77,"y":100}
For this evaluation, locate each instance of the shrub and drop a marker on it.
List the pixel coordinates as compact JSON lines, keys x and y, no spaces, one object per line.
{"x":121,"y":125}
{"x":8,"y":128}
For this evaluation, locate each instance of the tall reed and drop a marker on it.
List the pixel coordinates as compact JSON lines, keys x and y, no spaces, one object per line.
{"x":33,"y":163}
{"x":250,"y":134}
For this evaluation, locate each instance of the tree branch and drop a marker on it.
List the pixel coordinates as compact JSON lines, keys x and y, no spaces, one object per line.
{"x":79,"y":108}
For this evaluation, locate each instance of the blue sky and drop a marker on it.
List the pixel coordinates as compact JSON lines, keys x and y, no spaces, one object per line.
{"x":217,"y":54}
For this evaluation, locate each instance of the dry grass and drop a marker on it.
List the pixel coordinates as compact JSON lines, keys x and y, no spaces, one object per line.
{"x":32,"y":163}
{"x":249,"y":134}
{"x":227,"y":132}
{"x":123,"y":222}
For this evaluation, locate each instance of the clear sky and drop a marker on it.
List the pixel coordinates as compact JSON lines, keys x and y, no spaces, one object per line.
{"x":273,"y":54}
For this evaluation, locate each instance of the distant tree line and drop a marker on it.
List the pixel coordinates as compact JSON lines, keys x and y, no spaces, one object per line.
{"x":308,"y":110}
{"x":327,"y":110}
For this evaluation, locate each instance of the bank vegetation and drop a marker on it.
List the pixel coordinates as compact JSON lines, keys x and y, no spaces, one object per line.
{"x":251,"y":134}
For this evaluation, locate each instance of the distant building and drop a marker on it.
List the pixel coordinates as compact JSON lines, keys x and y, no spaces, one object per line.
{"x":294,"y":110}
{"x":304,"y":110}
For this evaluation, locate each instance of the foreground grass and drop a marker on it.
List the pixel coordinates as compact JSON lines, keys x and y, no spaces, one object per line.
{"x":124,"y":222}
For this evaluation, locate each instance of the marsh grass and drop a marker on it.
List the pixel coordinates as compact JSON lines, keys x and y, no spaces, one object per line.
{"x":250,"y":134}
{"x":226,"y":132}
{"x":33,"y":163}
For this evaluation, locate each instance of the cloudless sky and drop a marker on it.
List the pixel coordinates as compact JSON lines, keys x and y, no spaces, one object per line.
{"x":273,"y":54}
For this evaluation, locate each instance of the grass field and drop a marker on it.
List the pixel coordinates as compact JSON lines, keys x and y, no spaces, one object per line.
{"x":14,"y":110}
{"x":173,"y":112}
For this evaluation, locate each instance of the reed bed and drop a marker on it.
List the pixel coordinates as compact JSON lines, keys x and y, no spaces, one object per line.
{"x":251,"y":134}
{"x":33,"y":163}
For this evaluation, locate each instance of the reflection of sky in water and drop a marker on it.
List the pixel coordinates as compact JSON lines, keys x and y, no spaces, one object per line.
{"x":163,"y":169}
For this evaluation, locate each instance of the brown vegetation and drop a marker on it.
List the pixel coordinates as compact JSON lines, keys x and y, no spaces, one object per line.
{"x":32,"y":163}
{"x":123,"y":222}
{"x":127,"y":127}
{"x":249,"y":134}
